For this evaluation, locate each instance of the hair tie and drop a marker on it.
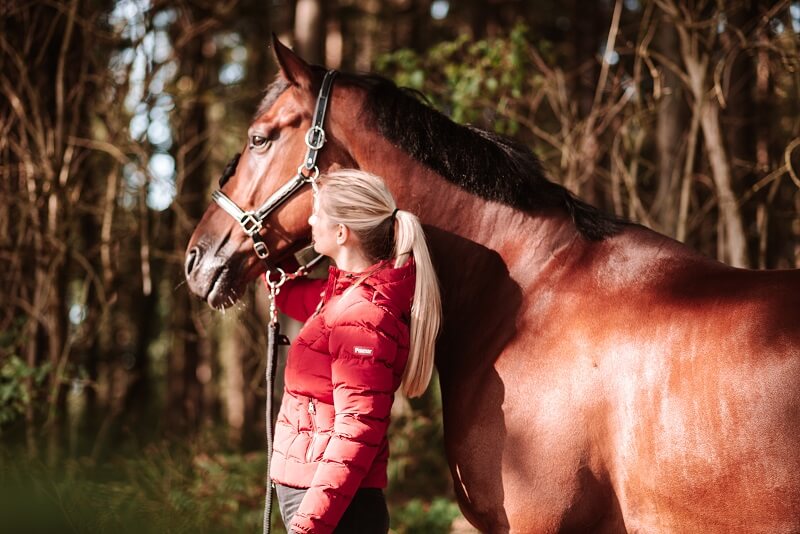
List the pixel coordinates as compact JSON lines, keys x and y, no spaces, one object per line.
{"x":394,"y":213}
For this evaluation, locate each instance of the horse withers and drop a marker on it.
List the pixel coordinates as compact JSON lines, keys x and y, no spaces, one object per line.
{"x":596,"y":376}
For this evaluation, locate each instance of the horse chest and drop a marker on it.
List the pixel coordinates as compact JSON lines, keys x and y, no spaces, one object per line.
{"x":520,"y":462}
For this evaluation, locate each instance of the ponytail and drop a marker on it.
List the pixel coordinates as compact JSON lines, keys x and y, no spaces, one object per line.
{"x":426,"y":308}
{"x":362,"y":202}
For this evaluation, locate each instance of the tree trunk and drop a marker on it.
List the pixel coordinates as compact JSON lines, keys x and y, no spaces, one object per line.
{"x":591,"y":21}
{"x":479,"y":14}
{"x":369,"y":36}
{"x":256,"y":15}
{"x":40,"y":115}
{"x":733,"y":244}
{"x":242,"y":348}
{"x":232,"y":379}
{"x":796,"y":229}
{"x":671,"y":123}
{"x":188,"y":370}
{"x":735,"y":241}
{"x":309,"y":30}
{"x":745,"y":89}
{"x":421,"y":29}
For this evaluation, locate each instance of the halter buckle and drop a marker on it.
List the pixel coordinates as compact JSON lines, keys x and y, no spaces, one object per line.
{"x":250,"y":223}
{"x":315,"y":137}
{"x":261,"y":249}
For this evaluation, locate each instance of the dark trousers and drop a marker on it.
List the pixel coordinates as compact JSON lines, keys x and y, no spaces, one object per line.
{"x":367,"y":513}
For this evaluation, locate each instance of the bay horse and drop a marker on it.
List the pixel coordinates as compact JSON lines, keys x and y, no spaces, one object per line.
{"x":596,"y":376}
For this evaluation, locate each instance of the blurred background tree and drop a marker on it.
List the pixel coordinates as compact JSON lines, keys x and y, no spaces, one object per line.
{"x":117,"y":116}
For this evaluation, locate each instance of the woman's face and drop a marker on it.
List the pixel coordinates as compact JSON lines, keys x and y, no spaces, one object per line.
{"x":323,"y":231}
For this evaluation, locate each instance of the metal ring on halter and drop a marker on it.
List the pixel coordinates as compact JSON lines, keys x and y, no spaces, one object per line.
{"x":314,"y":173}
{"x":310,"y":138}
{"x":277,"y":283}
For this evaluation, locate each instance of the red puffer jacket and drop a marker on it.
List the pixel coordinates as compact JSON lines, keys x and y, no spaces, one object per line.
{"x":341,"y":375}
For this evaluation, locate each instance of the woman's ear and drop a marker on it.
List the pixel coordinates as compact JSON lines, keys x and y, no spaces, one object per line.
{"x":342,"y":234}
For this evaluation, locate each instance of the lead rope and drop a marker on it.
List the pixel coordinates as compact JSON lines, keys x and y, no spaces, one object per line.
{"x":274,"y":340}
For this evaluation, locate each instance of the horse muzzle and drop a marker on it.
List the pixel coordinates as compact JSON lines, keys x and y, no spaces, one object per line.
{"x":213,"y":278}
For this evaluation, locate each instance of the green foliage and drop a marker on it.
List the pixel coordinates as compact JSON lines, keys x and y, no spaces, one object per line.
{"x":159,"y":490}
{"x":164,"y":488}
{"x":417,"y":465}
{"x":419,"y":517}
{"x":462,"y":76}
{"x":15,"y":396}
{"x":420,"y":491}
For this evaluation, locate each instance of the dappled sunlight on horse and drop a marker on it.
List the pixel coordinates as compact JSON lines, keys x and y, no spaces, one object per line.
{"x":596,"y":376}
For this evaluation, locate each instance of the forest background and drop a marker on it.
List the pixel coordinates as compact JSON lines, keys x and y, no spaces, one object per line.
{"x":128,"y":404}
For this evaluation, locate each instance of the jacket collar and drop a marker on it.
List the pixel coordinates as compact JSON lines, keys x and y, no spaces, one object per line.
{"x":394,"y":283}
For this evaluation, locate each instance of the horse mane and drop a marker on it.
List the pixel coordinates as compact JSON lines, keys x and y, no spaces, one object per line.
{"x":274,"y":90}
{"x":484,"y":163}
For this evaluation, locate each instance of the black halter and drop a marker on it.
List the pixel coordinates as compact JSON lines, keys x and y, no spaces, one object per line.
{"x":307,"y":173}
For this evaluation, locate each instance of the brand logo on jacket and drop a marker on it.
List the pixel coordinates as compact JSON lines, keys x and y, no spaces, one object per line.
{"x":365,"y":351}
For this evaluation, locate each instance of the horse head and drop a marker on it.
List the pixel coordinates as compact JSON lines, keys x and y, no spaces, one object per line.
{"x":220,"y":256}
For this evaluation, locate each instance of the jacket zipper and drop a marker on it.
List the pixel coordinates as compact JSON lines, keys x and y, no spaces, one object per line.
{"x":312,"y":410}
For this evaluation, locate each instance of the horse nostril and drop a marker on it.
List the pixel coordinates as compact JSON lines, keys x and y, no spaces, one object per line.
{"x":191,"y":260}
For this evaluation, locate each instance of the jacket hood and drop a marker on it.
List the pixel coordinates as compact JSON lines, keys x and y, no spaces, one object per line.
{"x":396,"y":284}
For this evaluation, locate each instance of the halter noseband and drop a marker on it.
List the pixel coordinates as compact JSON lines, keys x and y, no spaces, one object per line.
{"x":307,"y":173}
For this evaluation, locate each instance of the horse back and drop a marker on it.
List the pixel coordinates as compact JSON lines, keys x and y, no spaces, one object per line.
{"x":700,"y":371}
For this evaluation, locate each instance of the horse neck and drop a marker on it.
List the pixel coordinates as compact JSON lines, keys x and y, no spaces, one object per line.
{"x":488,"y":256}
{"x":524,"y":241}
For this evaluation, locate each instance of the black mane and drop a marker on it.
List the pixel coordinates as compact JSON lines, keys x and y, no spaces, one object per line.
{"x":484,"y":163}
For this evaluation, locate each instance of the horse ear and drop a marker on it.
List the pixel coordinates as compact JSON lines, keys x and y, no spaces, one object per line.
{"x":292,"y":66}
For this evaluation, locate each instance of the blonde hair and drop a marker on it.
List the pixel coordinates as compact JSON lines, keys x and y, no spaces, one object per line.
{"x":362,"y":202}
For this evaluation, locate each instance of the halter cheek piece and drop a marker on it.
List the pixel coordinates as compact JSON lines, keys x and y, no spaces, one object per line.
{"x":307,"y":173}
{"x":252,"y":222}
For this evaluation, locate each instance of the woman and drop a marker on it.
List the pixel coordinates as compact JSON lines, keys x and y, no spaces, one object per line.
{"x":369,"y":329}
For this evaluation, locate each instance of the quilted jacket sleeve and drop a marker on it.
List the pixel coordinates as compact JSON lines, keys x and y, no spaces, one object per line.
{"x":298,"y":298}
{"x":363,"y":387}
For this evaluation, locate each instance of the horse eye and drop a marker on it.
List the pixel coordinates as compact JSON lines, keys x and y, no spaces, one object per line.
{"x":258,"y":141}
